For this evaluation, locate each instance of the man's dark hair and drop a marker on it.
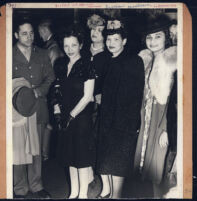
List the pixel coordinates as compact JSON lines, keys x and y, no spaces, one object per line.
{"x":46,"y":23}
{"x":20,"y":22}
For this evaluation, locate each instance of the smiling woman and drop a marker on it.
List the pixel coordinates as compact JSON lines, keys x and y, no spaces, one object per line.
{"x":160,"y":67}
{"x":76,"y":144}
{"x":120,"y":112}
{"x":156,"y":42}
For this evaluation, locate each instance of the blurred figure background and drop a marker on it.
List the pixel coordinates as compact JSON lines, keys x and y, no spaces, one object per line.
{"x":45,"y":29}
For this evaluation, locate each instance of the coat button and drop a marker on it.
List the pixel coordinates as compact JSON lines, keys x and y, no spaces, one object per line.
{"x":31,"y":76}
{"x":16,"y":68}
{"x":30,"y":67}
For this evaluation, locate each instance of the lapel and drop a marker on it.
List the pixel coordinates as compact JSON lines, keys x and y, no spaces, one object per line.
{"x":19,"y":56}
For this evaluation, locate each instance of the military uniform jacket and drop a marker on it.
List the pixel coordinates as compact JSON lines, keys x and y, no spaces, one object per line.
{"x":38,"y":71}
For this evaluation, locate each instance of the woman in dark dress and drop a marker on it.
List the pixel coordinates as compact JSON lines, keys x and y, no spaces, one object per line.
{"x":98,"y":56}
{"x":76,"y":145}
{"x":97,"y":53}
{"x":120,"y":112}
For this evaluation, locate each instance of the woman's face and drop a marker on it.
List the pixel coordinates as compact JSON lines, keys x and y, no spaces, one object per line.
{"x":115,"y":44}
{"x":72,"y":47}
{"x":96,"y":34}
{"x":156,"y":41}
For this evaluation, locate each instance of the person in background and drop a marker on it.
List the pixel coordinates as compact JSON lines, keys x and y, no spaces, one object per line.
{"x":33,"y":64}
{"x":120,"y":112}
{"x":160,"y":65}
{"x":54,"y":52}
{"x":76,"y":147}
{"x":173,"y":32}
{"x":98,"y":57}
{"x":46,"y":33}
{"x":170,"y":175}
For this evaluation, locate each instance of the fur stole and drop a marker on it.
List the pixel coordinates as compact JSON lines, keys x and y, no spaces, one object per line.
{"x":161,"y":76}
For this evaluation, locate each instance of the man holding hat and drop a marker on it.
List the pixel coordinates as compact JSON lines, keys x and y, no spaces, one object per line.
{"x":33,"y":65}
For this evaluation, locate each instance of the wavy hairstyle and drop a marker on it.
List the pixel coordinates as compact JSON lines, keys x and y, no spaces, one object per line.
{"x":74,"y":30}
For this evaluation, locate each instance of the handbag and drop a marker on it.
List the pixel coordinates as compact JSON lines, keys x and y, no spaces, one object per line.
{"x":170,"y":175}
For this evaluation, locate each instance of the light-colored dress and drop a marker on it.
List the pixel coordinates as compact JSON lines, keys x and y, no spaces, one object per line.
{"x":149,"y":156}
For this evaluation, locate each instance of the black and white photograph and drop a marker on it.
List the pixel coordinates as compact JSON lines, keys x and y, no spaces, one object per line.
{"x":95,"y":101}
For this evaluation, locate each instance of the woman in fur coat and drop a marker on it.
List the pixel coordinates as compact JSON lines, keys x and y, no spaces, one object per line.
{"x":160,"y":66}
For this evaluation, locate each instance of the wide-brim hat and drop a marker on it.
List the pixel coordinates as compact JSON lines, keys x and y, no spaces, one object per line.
{"x":157,"y":23}
{"x":17,"y":118}
{"x":24,"y":101}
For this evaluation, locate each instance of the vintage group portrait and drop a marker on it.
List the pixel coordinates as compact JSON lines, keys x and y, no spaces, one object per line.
{"x":94,"y":100}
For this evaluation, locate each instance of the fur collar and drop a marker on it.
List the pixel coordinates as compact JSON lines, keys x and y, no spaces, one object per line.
{"x":161,"y":76}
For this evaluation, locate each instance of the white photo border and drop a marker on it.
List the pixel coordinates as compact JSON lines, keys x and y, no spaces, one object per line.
{"x":9,"y":14}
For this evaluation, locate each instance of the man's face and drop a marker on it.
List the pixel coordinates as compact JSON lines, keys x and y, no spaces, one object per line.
{"x":43,"y":33}
{"x":25,"y":35}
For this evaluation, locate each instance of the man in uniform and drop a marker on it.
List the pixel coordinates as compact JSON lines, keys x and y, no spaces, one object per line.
{"x":33,"y":64}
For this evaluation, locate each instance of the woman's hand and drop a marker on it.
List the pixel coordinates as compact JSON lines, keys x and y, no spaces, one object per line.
{"x":57,"y":109}
{"x":67,"y":122}
{"x":163,"y":140}
{"x":98,"y":99}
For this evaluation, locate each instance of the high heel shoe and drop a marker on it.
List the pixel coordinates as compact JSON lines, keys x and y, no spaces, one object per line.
{"x":103,"y":197}
{"x":74,"y":198}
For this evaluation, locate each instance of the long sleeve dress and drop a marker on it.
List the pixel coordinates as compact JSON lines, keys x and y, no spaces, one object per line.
{"x":76,"y":145}
{"x":120,"y":115}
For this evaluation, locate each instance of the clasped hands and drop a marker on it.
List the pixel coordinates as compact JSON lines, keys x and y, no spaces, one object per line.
{"x":66,"y":123}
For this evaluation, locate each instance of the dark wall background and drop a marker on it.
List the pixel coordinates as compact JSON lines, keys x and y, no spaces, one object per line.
{"x":134,"y":19}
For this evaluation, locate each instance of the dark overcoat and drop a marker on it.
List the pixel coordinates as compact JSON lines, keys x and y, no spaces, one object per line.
{"x":120,"y":114}
{"x":53,"y":49}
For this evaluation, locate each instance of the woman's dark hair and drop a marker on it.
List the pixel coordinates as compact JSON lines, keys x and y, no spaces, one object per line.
{"x":160,"y":22}
{"x":121,"y":31}
{"x":166,"y":31}
{"x":74,"y":30}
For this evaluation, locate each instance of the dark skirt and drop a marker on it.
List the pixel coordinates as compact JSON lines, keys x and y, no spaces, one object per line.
{"x":76,"y":145}
{"x":116,"y":154}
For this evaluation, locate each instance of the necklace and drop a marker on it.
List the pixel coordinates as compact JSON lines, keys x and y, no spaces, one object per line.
{"x":95,"y":51}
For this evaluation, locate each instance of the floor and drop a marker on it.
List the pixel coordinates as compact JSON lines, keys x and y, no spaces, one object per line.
{"x":55,"y":181}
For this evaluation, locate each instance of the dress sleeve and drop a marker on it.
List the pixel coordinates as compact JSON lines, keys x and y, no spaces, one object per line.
{"x":89,"y":71}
